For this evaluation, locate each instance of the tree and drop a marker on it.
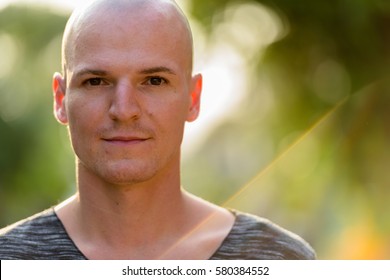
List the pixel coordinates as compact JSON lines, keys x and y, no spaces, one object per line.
{"x":312,"y":130}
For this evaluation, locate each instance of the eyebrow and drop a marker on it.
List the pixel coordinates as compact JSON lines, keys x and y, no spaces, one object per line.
{"x":146,"y":71}
{"x":78,"y":74}
{"x":83,"y":72}
{"x":158,"y":69}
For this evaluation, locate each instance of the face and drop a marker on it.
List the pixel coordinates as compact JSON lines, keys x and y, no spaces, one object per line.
{"x":126,"y":97}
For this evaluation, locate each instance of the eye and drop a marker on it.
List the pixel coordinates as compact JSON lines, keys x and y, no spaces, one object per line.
{"x":95,"y":82}
{"x":156,"y":81}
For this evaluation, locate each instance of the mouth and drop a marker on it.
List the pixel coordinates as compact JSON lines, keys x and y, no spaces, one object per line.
{"x":125,"y":140}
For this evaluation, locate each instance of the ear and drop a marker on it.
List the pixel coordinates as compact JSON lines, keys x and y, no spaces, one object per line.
{"x":59,"y":88}
{"x":195,"y":94}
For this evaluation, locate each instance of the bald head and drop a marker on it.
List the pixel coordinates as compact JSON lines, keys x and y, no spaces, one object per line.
{"x":116,"y":16}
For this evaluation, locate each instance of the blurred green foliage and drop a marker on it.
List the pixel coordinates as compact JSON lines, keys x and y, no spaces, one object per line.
{"x":313,"y":128}
{"x":305,"y":147}
{"x":34,"y":171}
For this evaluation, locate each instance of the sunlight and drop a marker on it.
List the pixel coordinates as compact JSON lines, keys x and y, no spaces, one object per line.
{"x":241,"y":34}
{"x":223,"y":87}
{"x":285,"y":152}
{"x":62,"y":6}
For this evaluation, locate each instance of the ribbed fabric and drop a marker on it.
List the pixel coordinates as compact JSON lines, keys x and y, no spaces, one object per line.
{"x":255,"y":238}
{"x":40,"y":237}
{"x":43,"y":237}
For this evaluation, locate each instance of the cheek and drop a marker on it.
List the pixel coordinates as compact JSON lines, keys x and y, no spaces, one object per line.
{"x":83,"y":121}
{"x":174,"y":122}
{"x":83,"y":109}
{"x":173,"y":113}
{"x":168,"y":118}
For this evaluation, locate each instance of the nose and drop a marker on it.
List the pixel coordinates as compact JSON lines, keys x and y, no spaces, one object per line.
{"x":124,"y":105}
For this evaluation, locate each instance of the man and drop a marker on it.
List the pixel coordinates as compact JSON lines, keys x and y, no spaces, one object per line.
{"x":126,"y":91}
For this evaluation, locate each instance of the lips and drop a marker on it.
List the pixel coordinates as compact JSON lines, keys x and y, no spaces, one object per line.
{"x":126,"y":139}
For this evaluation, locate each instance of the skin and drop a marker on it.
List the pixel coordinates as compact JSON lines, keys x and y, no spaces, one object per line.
{"x":126,"y":92}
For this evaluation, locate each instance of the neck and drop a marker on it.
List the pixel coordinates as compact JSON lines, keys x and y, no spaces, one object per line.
{"x":126,"y":215}
{"x":128,"y":198}
{"x":147,"y":220}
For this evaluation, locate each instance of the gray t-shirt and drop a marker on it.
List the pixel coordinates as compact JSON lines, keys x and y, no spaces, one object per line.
{"x":43,"y":237}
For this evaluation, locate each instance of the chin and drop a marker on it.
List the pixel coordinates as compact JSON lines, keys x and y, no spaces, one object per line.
{"x":127,"y":175}
{"x":126,"y":181}
{"x":123,"y":172}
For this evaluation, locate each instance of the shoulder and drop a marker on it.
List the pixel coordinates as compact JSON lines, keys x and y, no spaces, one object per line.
{"x":37,"y":237}
{"x":30,"y":227}
{"x":253,"y":237}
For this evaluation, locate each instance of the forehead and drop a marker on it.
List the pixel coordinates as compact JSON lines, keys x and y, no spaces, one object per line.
{"x":122,"y":34}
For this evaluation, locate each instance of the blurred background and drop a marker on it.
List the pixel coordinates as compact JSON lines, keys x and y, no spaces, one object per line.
{"x":294,"y":126}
